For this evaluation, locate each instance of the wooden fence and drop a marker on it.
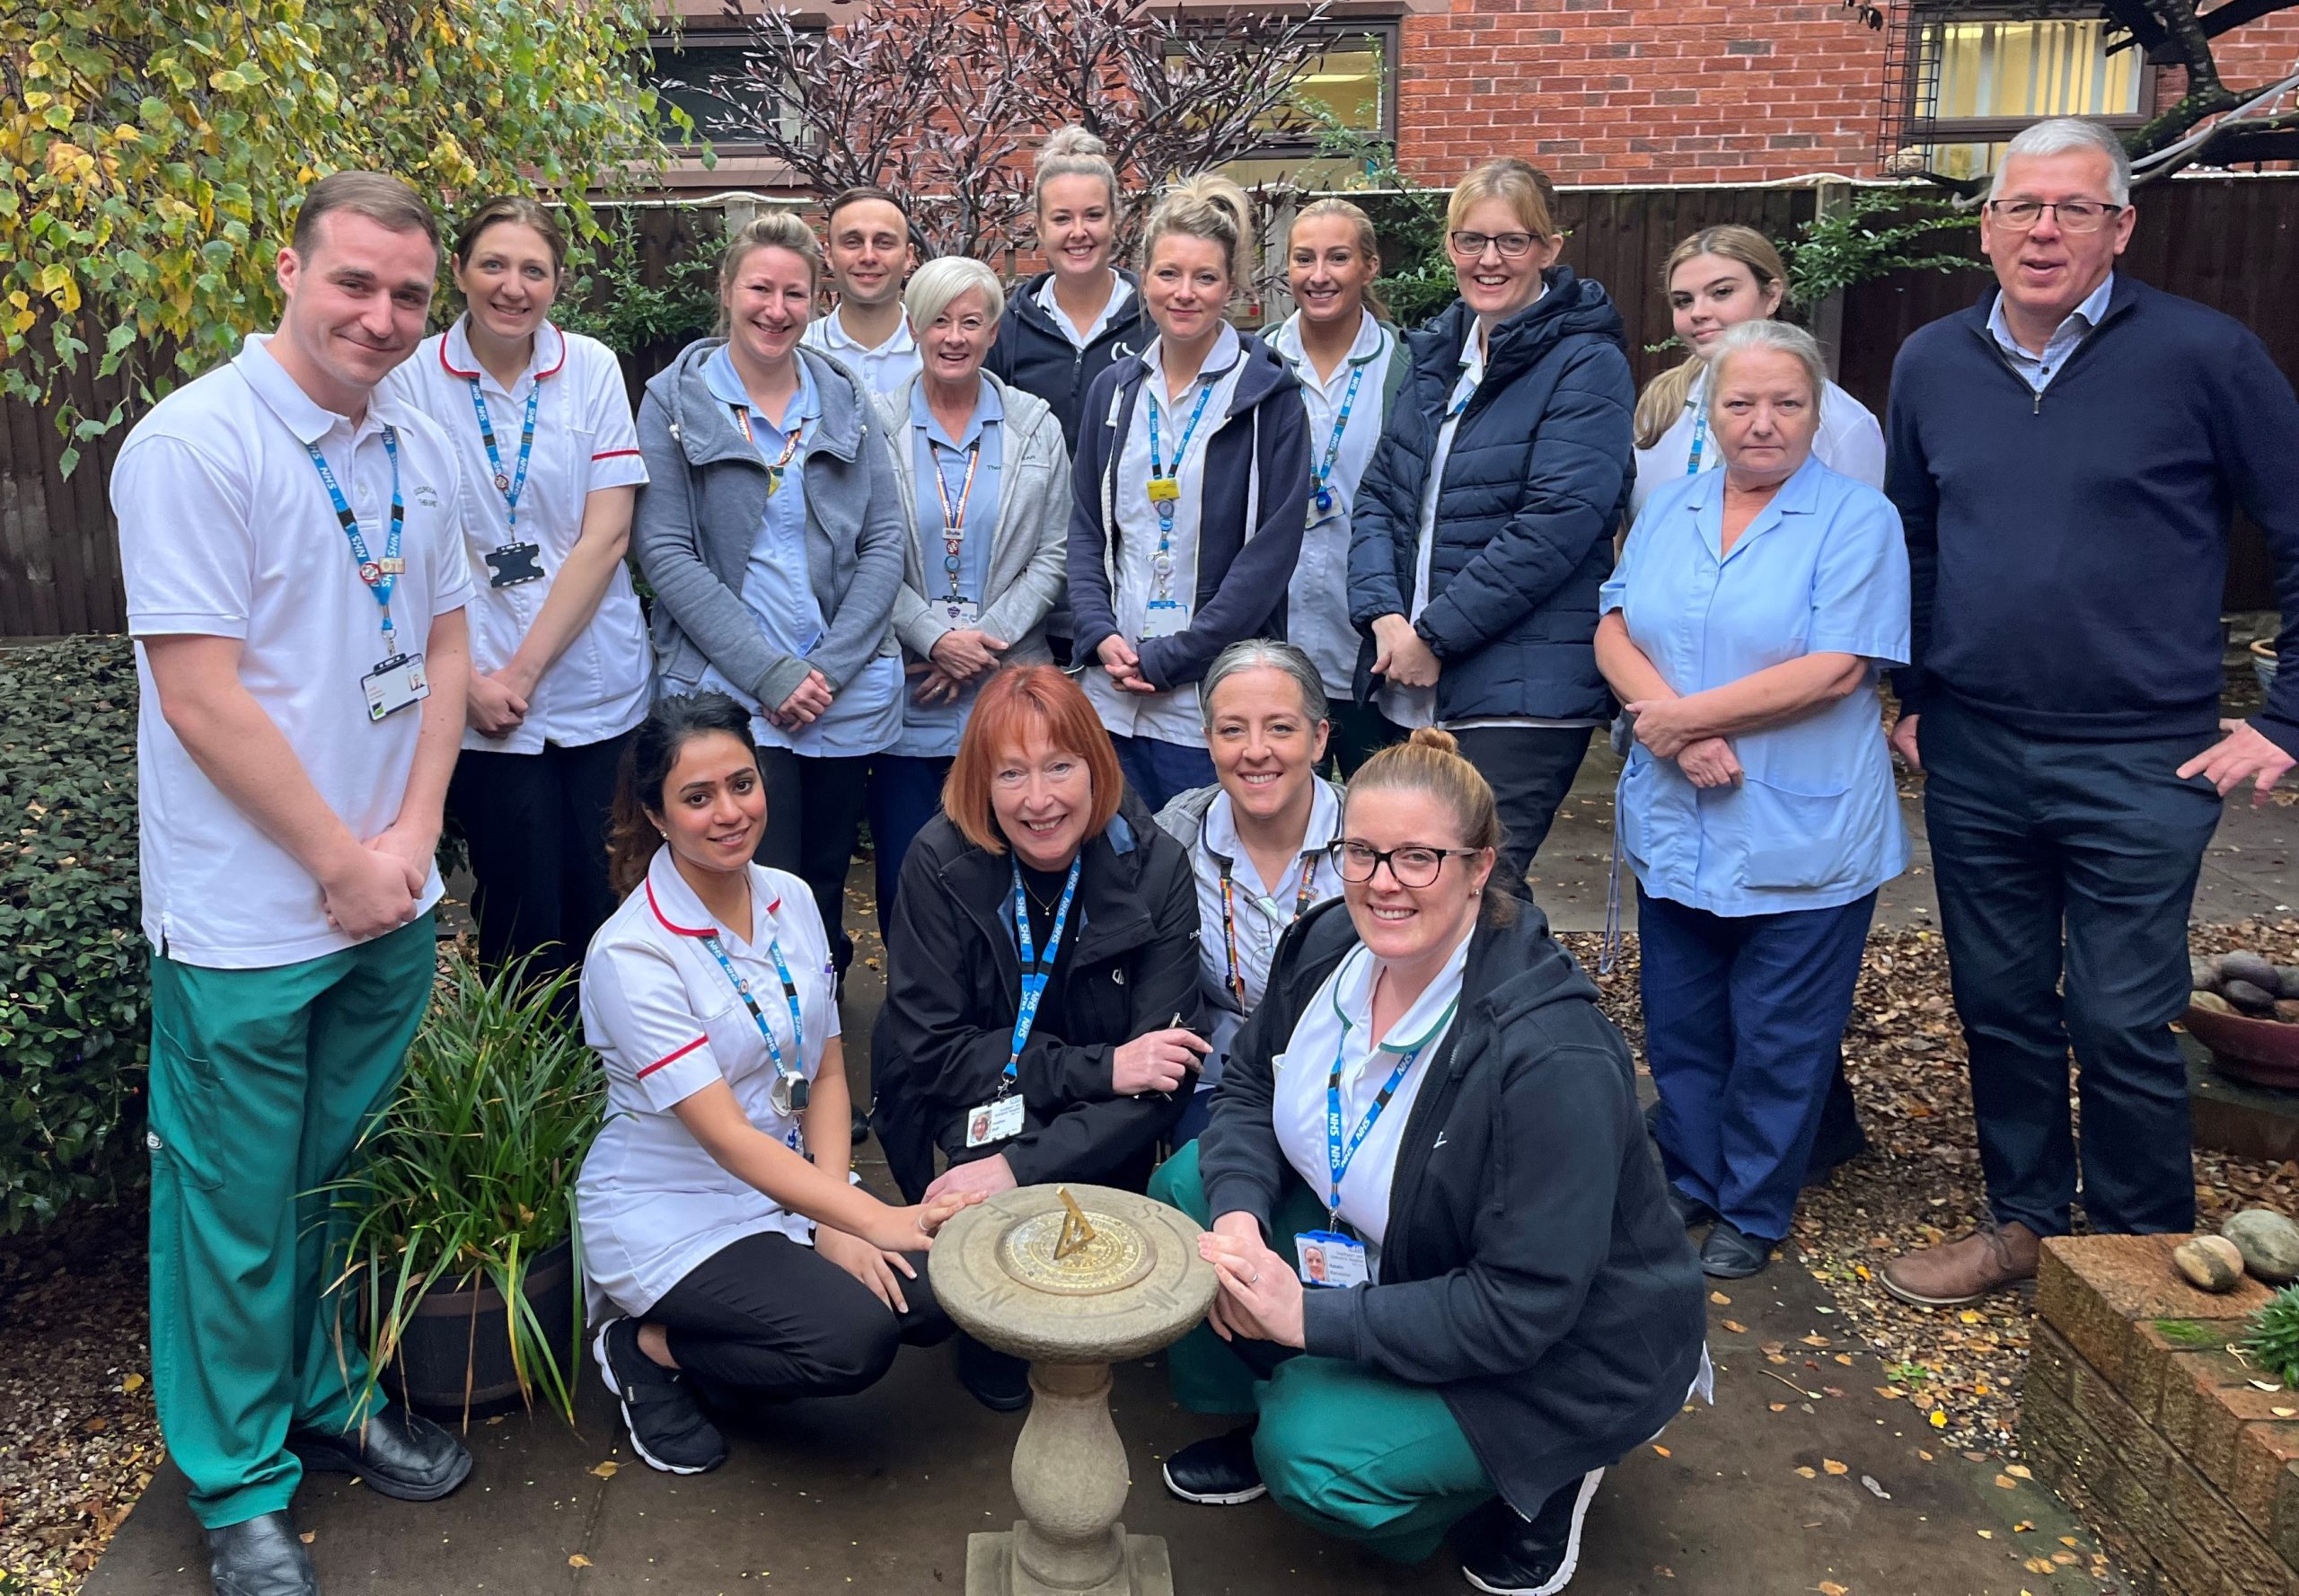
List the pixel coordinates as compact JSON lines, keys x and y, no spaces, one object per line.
{"x":2228,"y":241}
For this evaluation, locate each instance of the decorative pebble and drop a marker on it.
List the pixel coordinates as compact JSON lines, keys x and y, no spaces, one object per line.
{"x":2243,"y":965}
{"x":2250,"y":998}
{"x":2268,"y":1242}
{"x":2211,"y":1262}
{"x":2211,"y":1001}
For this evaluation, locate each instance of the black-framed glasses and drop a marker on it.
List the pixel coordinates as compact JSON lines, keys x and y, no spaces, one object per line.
{"x":2072,"y":216}
{"x":1413,"y":865}
{"x":1469,"y":246}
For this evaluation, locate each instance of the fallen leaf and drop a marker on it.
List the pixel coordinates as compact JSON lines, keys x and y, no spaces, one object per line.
{"x":1845,"y":1359}
{"x":1968,"y":1317}
{"x":1816,"y":1340}
{"x":1924,"y":1455}
{"x":1828,"y":1587}
{"x":2063,"y":1559}
{"x":608,"y":1469}
{"x":133,"y":1382}
{"x":1808,"y":1473}
{"x":2023,"y":1526}
{"x":577,"y":1560}
{"x":1833,"y":1467}
{"x":2038,"y":1566}
{"x":2018,"y":1471}
{"x":1779,"y":1406}
{"x":1719,"y":1299}
{"x":1664,"y":1451}
{"x":2284,"y":1413}
{"x":2004,"y":1481}
{"x":1986,"y":1534}
{"x":1735,"y":1327}
{"x":2069,"y":1541}
{"x":308,"y":1536}
{"x":1939,"y":1418}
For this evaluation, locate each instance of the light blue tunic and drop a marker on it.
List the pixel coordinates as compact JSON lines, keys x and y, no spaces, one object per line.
{"x":1815,"y":821}
{"x":931,"y":732}
{"x":778,"y":590}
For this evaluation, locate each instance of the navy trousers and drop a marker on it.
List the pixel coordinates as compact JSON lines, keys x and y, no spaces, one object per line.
{"x":1158,"y":771}
{"x":1530,"y":769}
{"x":905,"y":793}
{"x":2074,"y":863}
{"x":1743,"y":1018}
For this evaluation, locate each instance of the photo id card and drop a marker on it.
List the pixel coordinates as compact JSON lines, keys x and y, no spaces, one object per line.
{"x":1328,"y":1257}
{"x":961,"y":612}
{"x":1164,"y":618}
{"x":514,"y":564}
{"x":395,"y":684}
{"x":994,"y":1121}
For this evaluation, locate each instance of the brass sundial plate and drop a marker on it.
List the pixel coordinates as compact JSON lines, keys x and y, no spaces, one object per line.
{"x":1118,"y":1255}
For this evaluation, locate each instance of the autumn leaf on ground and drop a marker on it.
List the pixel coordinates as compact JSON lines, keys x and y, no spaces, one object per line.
{"x":1833,"y":1467}
{"x":608,"y":1469}
{"x":577,"y":1560}
{"x":1828,"y":1587}
{"x":1735,"y":1327}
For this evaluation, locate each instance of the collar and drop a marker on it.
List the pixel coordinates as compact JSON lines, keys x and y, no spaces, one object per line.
{"x":1352,"y":997}
{"x":284,"y":398}
{"x":836,"y":337}
{"x":726,"y":385}
{"x":1218,"y":833}
{"x":1120,"y":291}
{"x":987,"y":410}
{"x":546,"y":360}
{"x":2083,"y":319}
{"x":1800,"y":495}
{"x":676,"y":909}
{"x":1228,"y":349}
{"x":1372,"y":338}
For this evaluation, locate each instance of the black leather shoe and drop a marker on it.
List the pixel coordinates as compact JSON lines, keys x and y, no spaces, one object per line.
{"x":1730,"y":1253}
{"x":997,"y":1380}
{"x":1219,"y":1471}
{"x":1512,"y":1556}
{"x":260,"y":1556}
{"x":399,"y":1453}
{"x":1690,"y":1210}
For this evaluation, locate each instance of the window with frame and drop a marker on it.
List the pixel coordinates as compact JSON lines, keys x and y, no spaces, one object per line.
{"x":1355,"y":79}
{"x":1985,"y":76}
{"x":703,"y":75}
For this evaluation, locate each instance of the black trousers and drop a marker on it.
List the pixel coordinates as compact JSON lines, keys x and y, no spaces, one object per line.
{"x":1530,"y":769}
{"x":813,"y":815}
{"x":2066,"y":872}
{"x":1360,"y":731}
{"x":767,"y":1319}
{"x":536,"y":824}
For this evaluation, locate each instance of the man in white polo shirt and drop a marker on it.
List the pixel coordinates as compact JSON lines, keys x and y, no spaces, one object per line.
{"x":870,"y":257}
{"x":292,"y":550}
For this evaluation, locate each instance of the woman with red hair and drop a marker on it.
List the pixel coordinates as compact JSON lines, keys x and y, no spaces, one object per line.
{"x":1042,"y":1014}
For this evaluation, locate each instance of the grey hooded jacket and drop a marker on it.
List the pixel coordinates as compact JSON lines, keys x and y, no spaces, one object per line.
{"x":1027,"y":540}
{"x":700,"y":512}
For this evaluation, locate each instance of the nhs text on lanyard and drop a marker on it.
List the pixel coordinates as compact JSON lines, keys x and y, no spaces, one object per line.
{"x":1322,"y":500}
{"x":1328,"y":1256}
{"x":1002,"y":1116}
{"x":398,"y":679}
{"x":1165,"y":615}
{"x":514,"y":562}
{"x":791,"y":1088}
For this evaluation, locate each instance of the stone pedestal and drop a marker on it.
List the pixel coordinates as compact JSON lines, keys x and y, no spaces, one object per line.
{"x":1138,"y":1287}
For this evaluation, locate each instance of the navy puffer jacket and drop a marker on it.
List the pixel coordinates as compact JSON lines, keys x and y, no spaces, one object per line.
{"x":1536,"y":482}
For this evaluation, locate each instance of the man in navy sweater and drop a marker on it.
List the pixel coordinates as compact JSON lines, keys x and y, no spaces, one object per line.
{"x":2067,"y":457}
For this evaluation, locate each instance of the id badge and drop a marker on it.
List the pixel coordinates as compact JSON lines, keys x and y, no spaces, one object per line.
{"x":1164,"y":618}
{"x":1328,"y":1257}
{"x":961,"y":613}
{"x":394,"y":684}
{"x":994,"y":1121}
{"x":514,"y":564}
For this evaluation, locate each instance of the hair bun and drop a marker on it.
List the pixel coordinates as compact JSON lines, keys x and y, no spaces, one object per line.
{"x":1436,"y":738}
{"x":1070,"y":141}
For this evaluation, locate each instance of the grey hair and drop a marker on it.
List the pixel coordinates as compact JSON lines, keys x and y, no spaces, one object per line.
{"x":2059,"y":136}
{"x":1764,"y":333}
{"x":936,"y":286}
{"x":1264,"y":653}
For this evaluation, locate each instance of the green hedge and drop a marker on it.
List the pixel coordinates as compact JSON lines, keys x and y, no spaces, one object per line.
{"x":73,"y":996}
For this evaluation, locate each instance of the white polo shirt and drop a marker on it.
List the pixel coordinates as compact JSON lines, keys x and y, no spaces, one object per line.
{"x":886,"y":369}
{"x":667,"y":1021}
{"x":226,"y":530}
{"x":585,"y":440}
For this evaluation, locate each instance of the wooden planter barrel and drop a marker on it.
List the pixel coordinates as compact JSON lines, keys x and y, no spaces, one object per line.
{"x":456,"y":1354}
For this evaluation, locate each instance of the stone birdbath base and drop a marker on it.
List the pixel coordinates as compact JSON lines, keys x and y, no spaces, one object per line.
{"x":1137,"y":1287}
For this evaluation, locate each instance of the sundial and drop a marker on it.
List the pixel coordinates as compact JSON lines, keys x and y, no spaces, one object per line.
{"x":1072,"y":1278}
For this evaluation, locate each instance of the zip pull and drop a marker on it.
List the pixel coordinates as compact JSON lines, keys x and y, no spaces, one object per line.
{"x":2040,"y":403}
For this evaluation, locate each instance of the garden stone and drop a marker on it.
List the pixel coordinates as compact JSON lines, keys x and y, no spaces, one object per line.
{"x":2268,"y":1242}
{"x":2210,"y":1263}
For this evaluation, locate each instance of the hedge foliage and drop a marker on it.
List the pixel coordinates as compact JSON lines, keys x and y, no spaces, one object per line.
{"x":74,"y":993}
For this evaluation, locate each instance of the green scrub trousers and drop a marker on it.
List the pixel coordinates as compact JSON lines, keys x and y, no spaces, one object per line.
{"x":262,"y":1082}
{"x":1342,"y":1446}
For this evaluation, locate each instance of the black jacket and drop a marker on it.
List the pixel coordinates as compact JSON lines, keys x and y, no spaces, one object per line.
{"x":1127,"y":964}
{"x":1035,"y":356}
{"x":1537,"y":482}
{"x":1532,"y":1270}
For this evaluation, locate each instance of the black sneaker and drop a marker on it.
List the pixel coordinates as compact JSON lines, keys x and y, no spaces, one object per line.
{"x":666,"y":1427}
{"x":1730,"y":1253}
{"x":1219,"y":1471}
{"x":999,"y":1380}
{"x":1519,"y":1558}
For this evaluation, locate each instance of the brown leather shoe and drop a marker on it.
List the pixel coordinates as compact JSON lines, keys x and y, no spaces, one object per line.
{"x":1955,"y":1273}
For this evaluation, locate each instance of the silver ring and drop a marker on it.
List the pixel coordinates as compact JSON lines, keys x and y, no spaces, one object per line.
{"x":1254,"y":1278}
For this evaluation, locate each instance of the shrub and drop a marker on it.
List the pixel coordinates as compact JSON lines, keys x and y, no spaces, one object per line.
{"x":2271,"y":1339}
{"x":72,"y":1005}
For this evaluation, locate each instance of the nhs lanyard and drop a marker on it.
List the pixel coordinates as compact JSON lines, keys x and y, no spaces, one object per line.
{"x":382,"y":575}
{"x":1301,"y":901}
{"x":788,"y":1079}
{"x":1321,"y":478}
{"x":1699,"y":440}
{"x":1164,"y":490}
{"x":512,"y":483}
{"x":1338,"y":1157}
{"x":1034,"y":975}
{"x":954,"y":522}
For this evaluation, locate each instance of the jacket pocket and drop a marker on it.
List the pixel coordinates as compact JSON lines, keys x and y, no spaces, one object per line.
{"x":185,"y":1115}
{"x":1797,"y":840}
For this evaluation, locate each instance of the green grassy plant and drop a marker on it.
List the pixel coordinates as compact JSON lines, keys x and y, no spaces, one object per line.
{"x":2271,"y":1339}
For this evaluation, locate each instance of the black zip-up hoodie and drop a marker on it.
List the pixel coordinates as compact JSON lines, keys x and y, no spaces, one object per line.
{"x":1037,"y":355}
{"x":1532,"y":1271}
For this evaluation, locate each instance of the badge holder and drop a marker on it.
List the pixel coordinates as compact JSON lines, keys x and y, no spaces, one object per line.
{"x":393,"y":684}
{"x":1329,"y":1258}
{"x":998,"y":1120}
{"x":961,"y":612}
{"x":513,"y":565}
{"x":789,"y":1094}
{"x":1164,"y":618}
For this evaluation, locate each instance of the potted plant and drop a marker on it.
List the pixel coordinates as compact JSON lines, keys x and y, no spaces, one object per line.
{"x":461,"y":1200}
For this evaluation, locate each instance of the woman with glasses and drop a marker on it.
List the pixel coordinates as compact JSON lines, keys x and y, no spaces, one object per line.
{"x":1483,"y":526}
{"x":1716,"y":279}
{"x":1743,"y":631}
{"x":1428,"y":1107}
{"x":1042,"y":1014}
{"x":1257,"y":837}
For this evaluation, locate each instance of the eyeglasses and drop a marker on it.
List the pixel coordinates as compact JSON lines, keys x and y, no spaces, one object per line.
{"x":1413,"y":866}
{"x":1469,"y":246}
{"x":2072,"y":216}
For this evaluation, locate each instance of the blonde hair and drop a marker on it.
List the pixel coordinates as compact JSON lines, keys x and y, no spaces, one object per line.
{"x":1511,"y":181}
{"x":1663,"y":399}
{"x":936,"y":286}
{"x":1210,"y":206}
{"x":1431,"y":762}
{"x":1368,"y":243}
{"x":776,"y":230}
{"x":1072,"y":152}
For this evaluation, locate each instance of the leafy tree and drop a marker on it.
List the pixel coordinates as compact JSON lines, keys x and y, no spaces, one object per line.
{"x":154,"y":152}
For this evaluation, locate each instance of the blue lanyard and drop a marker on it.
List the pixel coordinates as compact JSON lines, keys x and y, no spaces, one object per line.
{"x":509,"y":484}
{"x":1164,"y":499}
{"x":382,"y":575}
{"x":1338,"y":1158}
{"x":789,"y":995}
{"x":1323,"y":475}
{"x":1699,"y":440}
{"x":1034,"y":975}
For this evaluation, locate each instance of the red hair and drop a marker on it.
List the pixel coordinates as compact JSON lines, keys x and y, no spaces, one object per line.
{"x":1017,"y":701}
